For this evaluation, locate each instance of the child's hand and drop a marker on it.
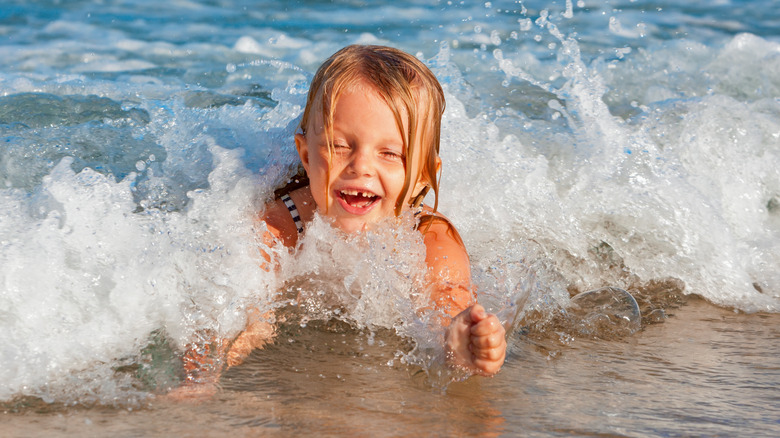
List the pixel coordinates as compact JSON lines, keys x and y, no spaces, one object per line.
{"x":476,"y":342}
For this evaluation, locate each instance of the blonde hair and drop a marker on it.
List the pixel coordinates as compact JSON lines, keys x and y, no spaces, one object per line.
{"x":406,"y":85}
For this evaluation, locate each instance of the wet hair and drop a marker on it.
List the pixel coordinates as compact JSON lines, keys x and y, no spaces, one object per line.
{"x":408,"y":87}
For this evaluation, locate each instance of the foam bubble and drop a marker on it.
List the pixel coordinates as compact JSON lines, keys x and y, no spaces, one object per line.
{"x":606,"y":181}
{"x":136,"y":169}
{"x":88,"y":277}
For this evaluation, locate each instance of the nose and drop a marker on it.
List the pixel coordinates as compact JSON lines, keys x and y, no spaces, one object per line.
{"x":361,"y":162}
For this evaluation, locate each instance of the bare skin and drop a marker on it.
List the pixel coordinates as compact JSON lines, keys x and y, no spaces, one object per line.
{"x":368,"y":157}
{"x":475,"y":339}
{"x":356,"y":186}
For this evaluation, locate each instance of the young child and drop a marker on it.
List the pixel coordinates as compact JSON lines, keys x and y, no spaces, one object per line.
{"x":369,"y":141}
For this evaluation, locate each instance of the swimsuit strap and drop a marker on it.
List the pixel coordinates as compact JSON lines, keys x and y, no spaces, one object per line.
{"x":293,"y":212}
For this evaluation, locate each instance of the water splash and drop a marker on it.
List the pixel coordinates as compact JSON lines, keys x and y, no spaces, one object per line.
{"x":569,"y":164}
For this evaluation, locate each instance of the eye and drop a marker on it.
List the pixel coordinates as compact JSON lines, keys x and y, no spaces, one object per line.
{"x":393,"y":155}
{"x":392,"y":152}
{"x":340,"y":147}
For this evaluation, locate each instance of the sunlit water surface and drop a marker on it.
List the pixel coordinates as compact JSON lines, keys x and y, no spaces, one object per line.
{"x":624,"y":144}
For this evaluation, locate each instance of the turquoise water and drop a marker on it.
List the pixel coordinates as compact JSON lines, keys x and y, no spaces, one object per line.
{"x":586,"y":144}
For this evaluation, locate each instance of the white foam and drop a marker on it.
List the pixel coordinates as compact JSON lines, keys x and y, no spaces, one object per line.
{"x":691,"y":204}
{"x":87,"y":279}
{"x":372,"y":279}
{"x":667,"y":153}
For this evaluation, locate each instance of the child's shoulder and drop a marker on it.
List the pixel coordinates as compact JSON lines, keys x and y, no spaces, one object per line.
{"x":435,"y":225}
{"x":278,"y":216}
{"x":448,"y":262}
{"x":444,"y":247}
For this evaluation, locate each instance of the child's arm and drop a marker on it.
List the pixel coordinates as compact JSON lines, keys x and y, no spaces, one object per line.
{"x":475,"y":340}
{"x":204,"y":362}
{"x":259,"y":332}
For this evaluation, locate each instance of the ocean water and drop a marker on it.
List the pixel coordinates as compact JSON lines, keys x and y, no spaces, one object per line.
{"x":586,"y":144}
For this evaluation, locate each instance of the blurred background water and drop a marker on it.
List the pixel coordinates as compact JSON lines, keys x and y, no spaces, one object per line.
{"x":631,"y":144}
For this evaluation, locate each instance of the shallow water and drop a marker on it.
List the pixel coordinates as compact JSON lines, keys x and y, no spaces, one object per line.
{"x":631,"y":144}
{"x":706,"y":371}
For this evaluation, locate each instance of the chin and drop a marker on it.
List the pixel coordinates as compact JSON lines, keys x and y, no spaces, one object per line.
{"x":350,"y":226}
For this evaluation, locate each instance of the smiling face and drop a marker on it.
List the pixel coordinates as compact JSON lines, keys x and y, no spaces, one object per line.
{"x":361,"y":181}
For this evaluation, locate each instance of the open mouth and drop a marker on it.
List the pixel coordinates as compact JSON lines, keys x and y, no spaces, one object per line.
{"x":358,"y":199}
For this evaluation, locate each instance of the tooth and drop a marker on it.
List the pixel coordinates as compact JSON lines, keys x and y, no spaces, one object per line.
{"x":357,"y":192}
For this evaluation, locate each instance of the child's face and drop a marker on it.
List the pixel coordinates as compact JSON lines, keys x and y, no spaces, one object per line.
{"x":367,"y":168}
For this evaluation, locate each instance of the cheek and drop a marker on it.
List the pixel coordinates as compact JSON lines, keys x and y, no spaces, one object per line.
{"x":397,"y":184}
{"x":318,"y":167}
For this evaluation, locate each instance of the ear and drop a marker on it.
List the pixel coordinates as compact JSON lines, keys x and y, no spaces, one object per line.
{"x":418,"y":188}
{"x":421,"y":187}
{"x":303,"y":150}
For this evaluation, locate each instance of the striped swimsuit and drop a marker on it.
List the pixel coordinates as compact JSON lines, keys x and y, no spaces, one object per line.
{"x":293,"y":212}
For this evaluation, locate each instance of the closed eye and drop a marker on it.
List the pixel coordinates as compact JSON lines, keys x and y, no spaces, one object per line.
{"x":393,"y":155}
{"x":340,"y":147}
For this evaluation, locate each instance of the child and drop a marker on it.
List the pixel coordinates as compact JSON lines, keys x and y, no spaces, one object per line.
{"x":369,"y":141}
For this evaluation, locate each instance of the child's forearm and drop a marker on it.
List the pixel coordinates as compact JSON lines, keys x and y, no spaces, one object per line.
{"x":256,"y":335}
{"x":204,"y":362}
{"x":451,"y":299}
